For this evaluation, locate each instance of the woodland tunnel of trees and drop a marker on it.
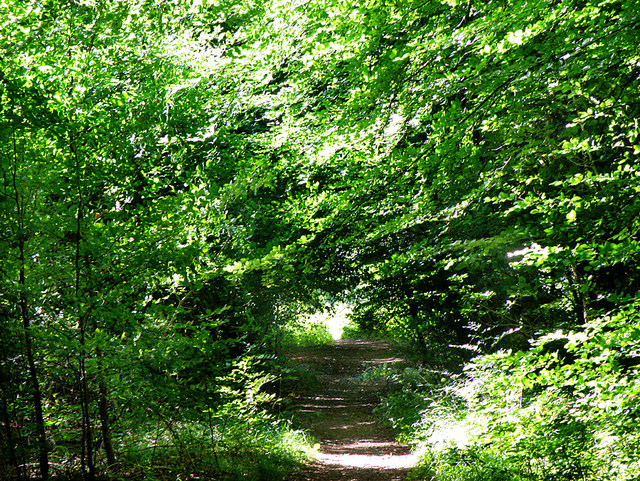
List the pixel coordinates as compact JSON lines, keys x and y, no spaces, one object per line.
{"x":181,"y":180}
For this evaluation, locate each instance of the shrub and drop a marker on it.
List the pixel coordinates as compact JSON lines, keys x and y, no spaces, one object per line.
{"x":565,"y":412}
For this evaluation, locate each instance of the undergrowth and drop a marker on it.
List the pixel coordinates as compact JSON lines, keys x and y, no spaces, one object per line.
{"x":260,"y":449}
{"x":303,"y":332}
{"x":567,"y":409}
{"x":226,"y":428}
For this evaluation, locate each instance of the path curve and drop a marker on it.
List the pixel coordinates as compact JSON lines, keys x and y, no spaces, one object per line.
{"x":338,"y":411}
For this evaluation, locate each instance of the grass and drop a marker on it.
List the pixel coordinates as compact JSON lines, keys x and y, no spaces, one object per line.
{"x":263,"y":449}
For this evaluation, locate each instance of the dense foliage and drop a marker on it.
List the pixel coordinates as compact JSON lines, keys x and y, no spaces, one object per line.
{"x":179,"y":180}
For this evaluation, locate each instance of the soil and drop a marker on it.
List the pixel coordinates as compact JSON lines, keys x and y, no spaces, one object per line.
{"x":337,"y":410}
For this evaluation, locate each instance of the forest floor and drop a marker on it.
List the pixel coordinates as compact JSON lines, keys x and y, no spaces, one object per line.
{"x":337,"y":409}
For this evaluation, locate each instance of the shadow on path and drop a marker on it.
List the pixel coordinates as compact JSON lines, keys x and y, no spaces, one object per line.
{"x":338,"y":411}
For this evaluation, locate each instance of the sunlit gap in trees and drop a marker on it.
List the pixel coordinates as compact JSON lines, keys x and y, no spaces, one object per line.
{"x":336,"y":319}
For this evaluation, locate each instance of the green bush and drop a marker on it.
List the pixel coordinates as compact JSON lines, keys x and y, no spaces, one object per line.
{"x":231,"y":434}
{"x":305,"y":333}
{"x":567,"y":409}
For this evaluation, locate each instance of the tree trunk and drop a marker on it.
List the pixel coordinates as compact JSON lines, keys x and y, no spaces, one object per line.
{"x":13,"y":455}
{"x":6,"y":393}
{"x":43,"y":448}
{"x":87,"y":457}
{"x":103,"y":408}
{"x":88,"y":464}
{"x":580,"y":301}
{"x":25,"y":318}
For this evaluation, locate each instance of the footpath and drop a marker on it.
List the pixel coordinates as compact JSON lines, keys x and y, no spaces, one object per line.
{"x":337,"y":410}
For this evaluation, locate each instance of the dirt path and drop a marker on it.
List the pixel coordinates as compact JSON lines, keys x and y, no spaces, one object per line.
{"x":338,"y":411}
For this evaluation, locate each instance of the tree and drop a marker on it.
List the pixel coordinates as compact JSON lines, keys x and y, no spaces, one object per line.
{"x":180,"y":179}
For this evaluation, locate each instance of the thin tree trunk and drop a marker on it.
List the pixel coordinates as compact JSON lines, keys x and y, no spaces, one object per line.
{"x":103,"y":409}
{"x":580,"y":301}
{"x":87,"y":458}
{"x":13,"y":455}
{"x":5,"y":394}
{"x":87,"y":432}
{"x":43,"y":448}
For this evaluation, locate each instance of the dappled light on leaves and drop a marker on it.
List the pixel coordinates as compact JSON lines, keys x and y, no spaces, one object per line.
{"x":191,"y":189}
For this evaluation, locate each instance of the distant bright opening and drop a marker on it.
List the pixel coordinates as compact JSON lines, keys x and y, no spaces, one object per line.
{"x":335,"y":320}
